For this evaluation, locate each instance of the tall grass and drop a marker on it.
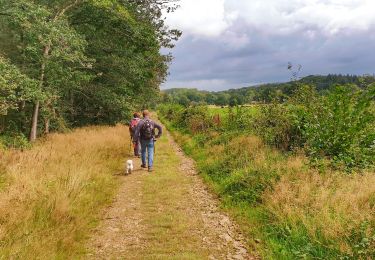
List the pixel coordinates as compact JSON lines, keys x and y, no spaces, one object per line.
{"x":288,"y":209}
{"x":53,"y":192}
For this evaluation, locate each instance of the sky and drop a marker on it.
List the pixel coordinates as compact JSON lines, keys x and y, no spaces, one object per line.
{"x":238,"y":43}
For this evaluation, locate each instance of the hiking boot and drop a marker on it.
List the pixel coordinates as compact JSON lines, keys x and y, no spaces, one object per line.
{"x":150,"y":169}
{"x":143,"y":166}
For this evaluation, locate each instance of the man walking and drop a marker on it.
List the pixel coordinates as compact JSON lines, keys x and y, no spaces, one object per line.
{"x":145,"y":132}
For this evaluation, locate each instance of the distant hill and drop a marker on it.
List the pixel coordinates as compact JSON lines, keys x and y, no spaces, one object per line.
{"x":261,"y":93}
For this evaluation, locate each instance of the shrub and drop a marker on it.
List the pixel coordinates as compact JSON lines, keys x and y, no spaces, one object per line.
{"x":18,"y":141}
{"x":195,"y":119}
{"x":278,"y":125}
{"x":341,"y":126}
{"x":171,"y":112}
{"x":239,"y":119}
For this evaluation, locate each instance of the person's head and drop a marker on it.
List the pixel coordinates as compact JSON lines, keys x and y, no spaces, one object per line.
{"x":136,"y":115}
{"x":146,"y":113}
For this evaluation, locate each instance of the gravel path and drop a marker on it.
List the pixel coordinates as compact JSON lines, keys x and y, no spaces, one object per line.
{"x":204,"y":231}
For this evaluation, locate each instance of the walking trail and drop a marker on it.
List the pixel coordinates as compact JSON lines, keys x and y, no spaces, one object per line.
{"x":168,"y":214}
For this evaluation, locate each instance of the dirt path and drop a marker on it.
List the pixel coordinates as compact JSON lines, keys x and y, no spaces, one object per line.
{"x":168,"y":214}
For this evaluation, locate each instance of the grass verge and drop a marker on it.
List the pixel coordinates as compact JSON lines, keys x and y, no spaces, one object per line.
{"x":287,"y":210}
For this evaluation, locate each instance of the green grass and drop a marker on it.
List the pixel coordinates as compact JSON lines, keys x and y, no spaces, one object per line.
{"x":225,"y":111}
{"x":279,"y":202}
{"x":168,"y":226}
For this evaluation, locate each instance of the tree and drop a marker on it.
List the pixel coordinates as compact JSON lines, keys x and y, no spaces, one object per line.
{"x":51,"y":50}
{"x":15,"y":88}
{"x":128,"y":69}
{"x":93,"y":60}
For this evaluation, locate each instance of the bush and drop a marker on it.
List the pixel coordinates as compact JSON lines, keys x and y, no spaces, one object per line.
{"x":239,"y":119}
{"x":342,"y":127}
{"x":278,"y":125}
{"x":17,"y":141}
{"x":195,"y":119}
{"x":339,"y":126}
{"x":171,"y":112}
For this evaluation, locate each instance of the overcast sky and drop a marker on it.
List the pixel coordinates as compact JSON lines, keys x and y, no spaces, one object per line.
{"x":235,"y":43}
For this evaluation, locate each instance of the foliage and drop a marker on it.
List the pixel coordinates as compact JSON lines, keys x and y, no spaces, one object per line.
{"x":78,"y":76}
{"x":341,"y":126}
{"x":240,"y":119}
{"x":18,"y":141}
{"x":338,"y":125}
{"x":277,"y":125}
{"x":266,"y":93}
{"x":287,"y":209}
{"x":15,"y":87}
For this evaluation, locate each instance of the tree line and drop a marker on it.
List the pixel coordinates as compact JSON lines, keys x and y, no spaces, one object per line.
{"x":69,"y":63}
{"x":265,"y":93}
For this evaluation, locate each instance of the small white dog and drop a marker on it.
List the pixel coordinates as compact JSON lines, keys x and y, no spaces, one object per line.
{"x":129,"y":166}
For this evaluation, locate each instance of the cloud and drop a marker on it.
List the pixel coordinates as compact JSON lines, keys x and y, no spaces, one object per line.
{"x":213,"y":17}
{"x":286,"y":16}
{"x":244,"y":42}
{"x":203,"y":18}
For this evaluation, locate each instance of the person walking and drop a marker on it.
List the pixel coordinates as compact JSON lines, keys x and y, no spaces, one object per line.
{"x":132,"y":127}
{"x":145,"y":133}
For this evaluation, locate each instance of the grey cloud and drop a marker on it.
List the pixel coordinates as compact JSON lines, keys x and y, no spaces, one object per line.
{"x":264,"y":58}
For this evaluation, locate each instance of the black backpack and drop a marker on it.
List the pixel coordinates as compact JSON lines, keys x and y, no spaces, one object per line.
{"x":147,"y":130}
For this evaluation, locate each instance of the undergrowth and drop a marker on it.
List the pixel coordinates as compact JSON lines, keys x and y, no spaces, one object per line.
{"x":286,"y":208}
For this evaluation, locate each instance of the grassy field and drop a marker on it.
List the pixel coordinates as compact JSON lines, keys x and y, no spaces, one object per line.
{"x":224,"y":111}
{"x":51,"y":194}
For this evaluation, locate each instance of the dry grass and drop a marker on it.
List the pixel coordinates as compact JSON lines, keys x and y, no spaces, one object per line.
{"x":331,"y":204}
{"x":55,"y":190}
{"x":296,"y":210}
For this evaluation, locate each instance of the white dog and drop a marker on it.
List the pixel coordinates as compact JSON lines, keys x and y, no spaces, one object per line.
{"x":129,"y":166}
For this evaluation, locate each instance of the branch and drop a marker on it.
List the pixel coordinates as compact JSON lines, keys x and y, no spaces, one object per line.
{"x":64,"y":10}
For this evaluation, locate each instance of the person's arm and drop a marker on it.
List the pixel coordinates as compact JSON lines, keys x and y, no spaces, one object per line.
{"x":160,"y":130}
{"x":137,"y":131}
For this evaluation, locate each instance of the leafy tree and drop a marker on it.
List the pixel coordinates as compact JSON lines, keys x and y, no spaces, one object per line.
{"x":93,"y":60}
{"x":15,"y":88}
{"x":50,"y":50}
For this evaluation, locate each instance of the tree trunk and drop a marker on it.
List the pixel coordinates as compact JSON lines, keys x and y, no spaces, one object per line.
{"x":34,"y":122}
{"x":21,"y":111}
{"x":46,"y":126}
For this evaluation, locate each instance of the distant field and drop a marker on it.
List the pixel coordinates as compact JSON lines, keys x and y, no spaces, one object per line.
{"x":224,"y":111}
